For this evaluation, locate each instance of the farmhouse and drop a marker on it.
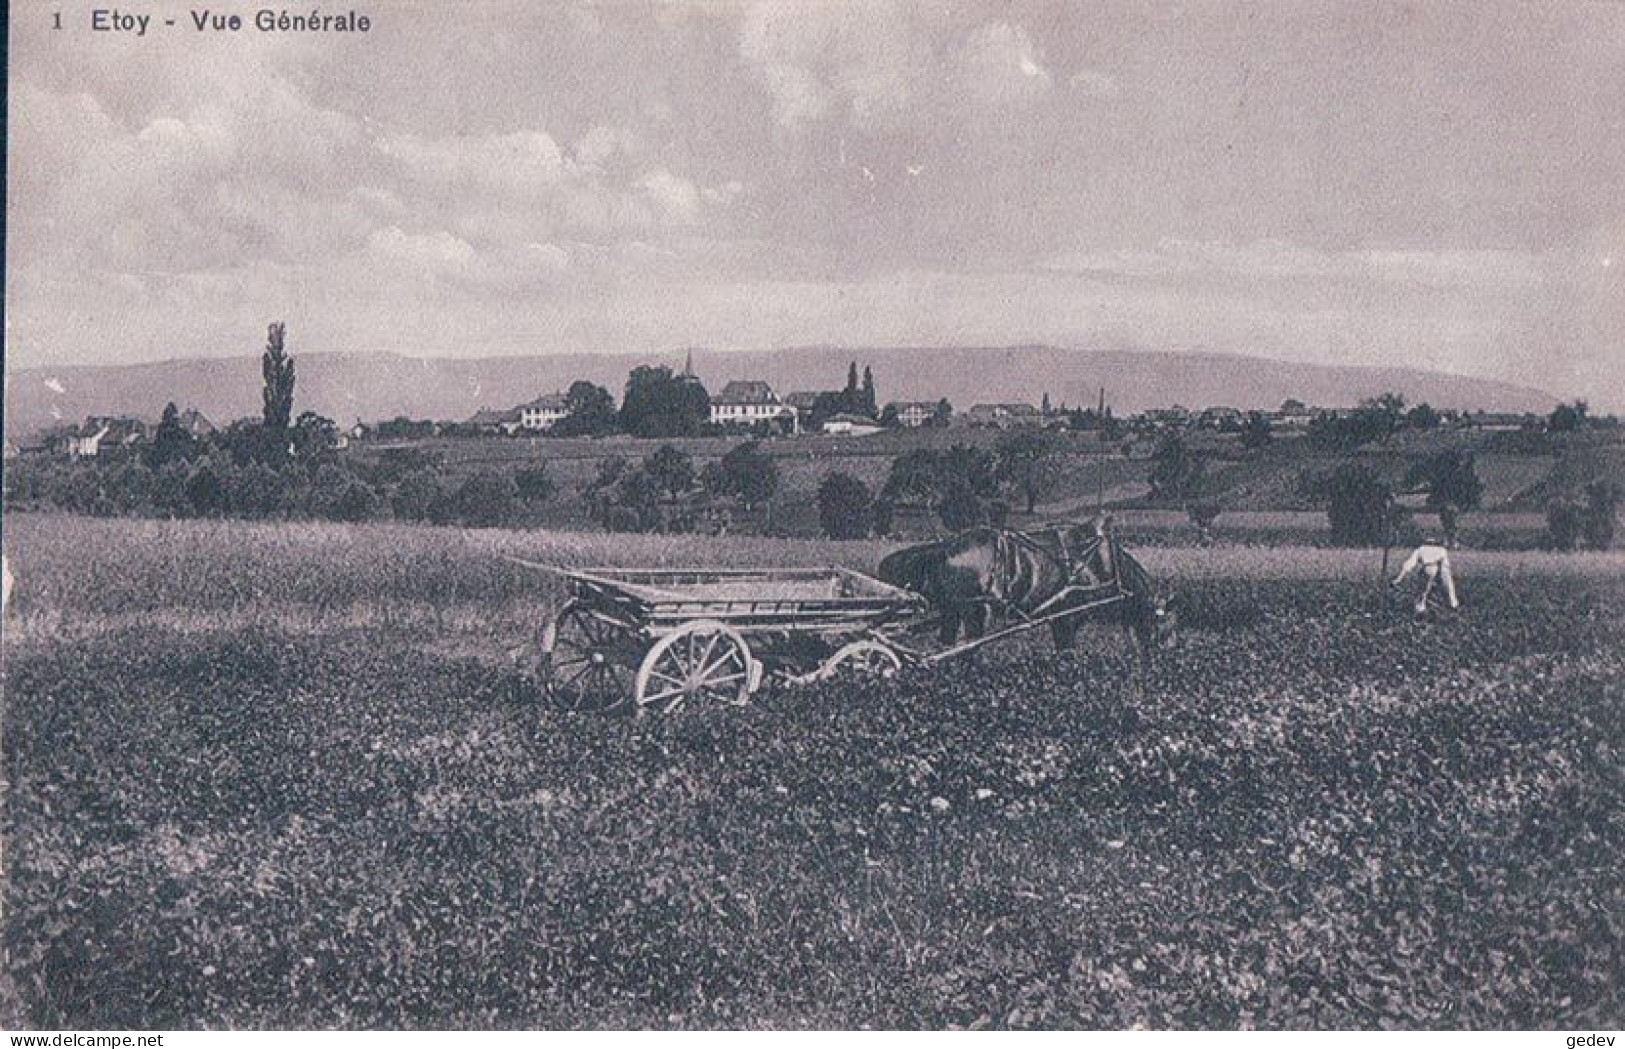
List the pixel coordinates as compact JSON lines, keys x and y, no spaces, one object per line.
{"x":543,"y":412}
{"x":99,"y":434}
{"x":195,"y":423}
{"x":1499,"y":422}
{"x":1010,"y":414}
{"x":492,"y":421}
{"x":914,"y":413}
{"x":1293,"y":419}
{"x":749,"y":402}
{"x":1219,"y":417}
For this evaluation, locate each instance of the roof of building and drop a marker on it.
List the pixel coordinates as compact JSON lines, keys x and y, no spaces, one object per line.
{"x":120,"y":429}
{"x":746,"y":391}
{"x":493,"y":417}
{"x":1009,"y":408}
{"x":855,"y":420}
{"x":554,"y":402}
{"x":195,"y":422}
{"x":924,"y":406}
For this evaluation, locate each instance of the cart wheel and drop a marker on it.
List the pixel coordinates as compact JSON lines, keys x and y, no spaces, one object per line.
{"x":862,"y":660}
{"x":702,"y":664}
{"x":584,"y":659}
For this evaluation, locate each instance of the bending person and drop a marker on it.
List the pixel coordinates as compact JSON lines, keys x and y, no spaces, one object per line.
{"x":1432,"y":560}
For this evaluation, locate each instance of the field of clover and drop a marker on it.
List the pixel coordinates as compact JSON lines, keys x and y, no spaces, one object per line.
{"x":291,"y":776}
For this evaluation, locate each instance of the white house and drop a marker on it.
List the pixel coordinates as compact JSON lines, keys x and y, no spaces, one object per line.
{"x":914,"y":413}
{"x":749,"y":402}
{"x":851,"y":425}
{"x":543,"y":412}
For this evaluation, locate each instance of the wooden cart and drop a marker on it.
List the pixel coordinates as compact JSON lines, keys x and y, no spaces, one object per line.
{"x":666,"y":639}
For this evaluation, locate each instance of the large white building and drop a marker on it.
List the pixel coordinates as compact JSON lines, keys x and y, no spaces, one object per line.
{"x":749,"y":402}
{"x":914,"y":413}
{"x":543,"y":412}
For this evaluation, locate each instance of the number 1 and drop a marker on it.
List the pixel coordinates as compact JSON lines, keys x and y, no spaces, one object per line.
{"x":57,"y":19}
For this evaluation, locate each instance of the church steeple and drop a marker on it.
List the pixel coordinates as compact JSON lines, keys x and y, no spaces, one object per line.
{"x":688,"y":364}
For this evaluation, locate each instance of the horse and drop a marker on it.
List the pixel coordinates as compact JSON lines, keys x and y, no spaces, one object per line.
{"x":970,"y":575}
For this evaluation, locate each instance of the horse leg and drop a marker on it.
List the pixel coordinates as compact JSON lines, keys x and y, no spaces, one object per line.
{"x":1139,"y":636}
{"x":976,"y":620}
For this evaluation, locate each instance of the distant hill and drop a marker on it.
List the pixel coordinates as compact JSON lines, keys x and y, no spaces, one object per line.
{"x":347,"y":387}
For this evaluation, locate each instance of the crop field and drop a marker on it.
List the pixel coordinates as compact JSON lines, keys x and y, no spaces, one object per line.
{"x":290,"y":775}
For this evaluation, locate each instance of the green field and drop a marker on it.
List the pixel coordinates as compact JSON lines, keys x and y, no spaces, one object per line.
{"x":1259,"y":490}
{"x":291,"y":775}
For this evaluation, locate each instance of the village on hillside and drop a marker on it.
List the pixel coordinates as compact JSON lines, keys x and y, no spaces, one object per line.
{"x":752,"y":407}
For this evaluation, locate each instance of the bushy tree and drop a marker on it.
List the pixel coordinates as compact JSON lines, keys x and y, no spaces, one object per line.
{"x":1566,"y":418}
{"x":336,"y":494}
{"x":960,"y":483}
{"x":256,"y":490}
{"x":1452,"y":486}
{"x":533,"y":483}
{"x":844,"y":506}
{"x":1565,"y":524}
{"x":636,"y":503}
{"x":1027,"y":462}
{"x":1204,"y":514}
{"x":1358,"y":506}
{"x":205,"y":492}
{"x":418,"y":496}
{"x":1258,"y":431}
{"x":660,"y":404}
{"x":1422,"y":417}
{"x":671,"y":468}
{"x":485,"y":499}
{"x":747,"y":474}
{"x":591,"y":411}
{"x":1601,"y":514}
{"x":314,"y":435}
{"x":170,"y":441}
{"x":942,"y":414}
{"x":960,"y":506}
{"x":1175,"y":472}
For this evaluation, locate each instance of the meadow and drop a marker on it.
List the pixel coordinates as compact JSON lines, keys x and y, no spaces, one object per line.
{"x":272,"y":775}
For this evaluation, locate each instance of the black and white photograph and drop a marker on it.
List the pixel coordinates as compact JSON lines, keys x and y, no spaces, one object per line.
{"x":813,"y":515}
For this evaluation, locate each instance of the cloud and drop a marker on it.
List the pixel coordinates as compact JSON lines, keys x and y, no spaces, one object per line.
{"x":861,"y":63}
{"x":1279,"y":260}
{"x":602,"y":146}
{"x":1000,"y":69}
{"x":1094,"y":84}
{"x":516,"y":164}
{"x":676,"y":200}
{"x":886,"y":66}
{"x":438,"y":253}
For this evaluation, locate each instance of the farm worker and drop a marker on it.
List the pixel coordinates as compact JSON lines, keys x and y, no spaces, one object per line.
{"x":1434,"y":561}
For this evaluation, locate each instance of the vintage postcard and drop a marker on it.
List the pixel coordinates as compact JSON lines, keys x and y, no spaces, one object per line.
{"x":814,"y":514}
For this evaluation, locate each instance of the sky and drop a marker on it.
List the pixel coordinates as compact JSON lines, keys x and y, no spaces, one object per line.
{"x":1430,"y":184}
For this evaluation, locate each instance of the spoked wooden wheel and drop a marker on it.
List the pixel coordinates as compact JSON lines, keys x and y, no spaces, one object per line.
{"x":700,"y":664}
{"x":587,"y":659}
{"x":862,"y":660}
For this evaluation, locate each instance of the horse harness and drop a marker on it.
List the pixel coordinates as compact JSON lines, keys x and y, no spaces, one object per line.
{"x":1075,"y":568}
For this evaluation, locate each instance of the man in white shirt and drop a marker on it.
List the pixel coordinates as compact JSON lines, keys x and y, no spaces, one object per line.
{"x":1434,"y":562}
